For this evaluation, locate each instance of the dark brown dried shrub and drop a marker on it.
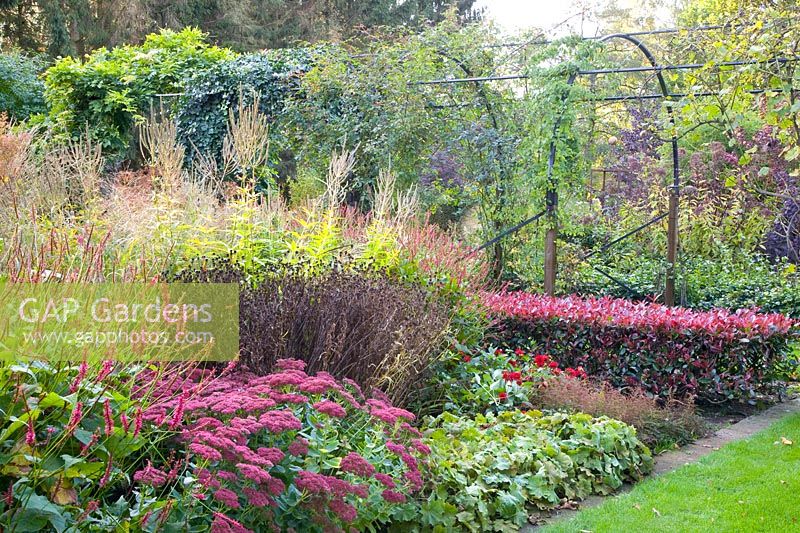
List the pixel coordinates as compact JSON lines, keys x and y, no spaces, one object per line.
{"x":377,"y":331}
{"x":372,"y":329}
{"x":658,"y":426}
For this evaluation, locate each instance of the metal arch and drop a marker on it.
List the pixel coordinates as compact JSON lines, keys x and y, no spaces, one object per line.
{"x":665,"y":91}
{"x":552,"y":193}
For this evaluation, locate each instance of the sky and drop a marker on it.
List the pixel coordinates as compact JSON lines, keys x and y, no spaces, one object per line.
{"x":513,"y":15}
{"x":563,"y":15}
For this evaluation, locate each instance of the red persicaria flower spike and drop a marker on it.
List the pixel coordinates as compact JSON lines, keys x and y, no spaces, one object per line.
{"x":177,"y":415}
{"x":108,"y":366}
{"x":92,"y":442}
{"x":137,"y":423}
{"x":223,"y":524}
{"x":75,"y":417}
{"x":107,"y":473}
{"x":165,"y":512}
{"x":30,"y":436}
{"x":109,"y":420}
{"x":79,"y":378}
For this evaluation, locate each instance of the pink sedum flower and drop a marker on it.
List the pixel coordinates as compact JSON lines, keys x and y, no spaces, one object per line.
{"x":355,"y":464}
{"x":330,"y":408}
{"x":290,"y":364}
{"x":227,"y":497}
{"x":312,"y":482}
{"x":393,"y":497}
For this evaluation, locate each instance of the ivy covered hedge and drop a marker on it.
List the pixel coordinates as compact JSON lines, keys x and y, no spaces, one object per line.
{"x":202,"y":114}
{"x":671,"y":352}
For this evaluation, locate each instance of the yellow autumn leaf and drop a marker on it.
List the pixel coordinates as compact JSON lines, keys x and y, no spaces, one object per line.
{"x":63,"y":493}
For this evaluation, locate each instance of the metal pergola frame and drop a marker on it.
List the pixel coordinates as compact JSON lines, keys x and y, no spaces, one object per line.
{"x":551,"y":196}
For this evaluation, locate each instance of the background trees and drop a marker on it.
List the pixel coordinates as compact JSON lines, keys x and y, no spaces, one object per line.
{"x":63,"y":27}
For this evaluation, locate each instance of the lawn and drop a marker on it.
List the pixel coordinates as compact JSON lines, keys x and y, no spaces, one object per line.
{"x":750,"y":485}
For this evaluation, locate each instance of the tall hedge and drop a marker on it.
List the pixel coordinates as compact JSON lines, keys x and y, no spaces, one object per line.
{"x":21,"y":89}
{"x":111,"y":90}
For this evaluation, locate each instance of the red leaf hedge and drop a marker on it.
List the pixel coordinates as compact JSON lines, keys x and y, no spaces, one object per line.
{"x":670,"y":351}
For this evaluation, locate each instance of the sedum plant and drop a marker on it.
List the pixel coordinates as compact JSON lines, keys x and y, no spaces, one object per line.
{"x":285,"y":451}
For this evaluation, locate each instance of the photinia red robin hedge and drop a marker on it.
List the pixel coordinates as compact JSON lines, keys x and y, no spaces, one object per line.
{"x":671,"y":352}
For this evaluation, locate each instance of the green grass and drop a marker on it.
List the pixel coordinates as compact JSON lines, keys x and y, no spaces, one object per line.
{"x":750,"y":485}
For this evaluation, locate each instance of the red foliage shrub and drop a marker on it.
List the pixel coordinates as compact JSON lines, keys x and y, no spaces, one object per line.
{"x":670,"y":352}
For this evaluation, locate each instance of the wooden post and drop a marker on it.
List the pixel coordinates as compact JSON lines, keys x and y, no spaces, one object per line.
{"x":550,"y":253}
{"x":672,"y":247}
{"x":550,"y":261}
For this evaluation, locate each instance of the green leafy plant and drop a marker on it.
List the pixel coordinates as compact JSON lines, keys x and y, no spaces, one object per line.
{"x":660,"y":427}
{"x":21,"y":90}
{"x":202,"y":113}
{"x":489,"y":472}
{"x":112,"y":90}
{"x":71,"y":437}
{"x":479,"y":380}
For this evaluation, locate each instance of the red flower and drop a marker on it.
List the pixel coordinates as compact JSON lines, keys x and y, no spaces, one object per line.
{"x":576,"y":372}
{"x":511,"y":376}
{"x":498,"y":352}
{"x":467,"y":359}
{"x":553,"y":364}
{"x":519,"y":351}
{"x":541,"y":360}
{"x":502,"y":396}
{"x":513,"y":362}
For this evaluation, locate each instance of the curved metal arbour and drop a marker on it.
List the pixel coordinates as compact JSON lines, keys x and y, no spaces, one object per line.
{"x":551,"y":200}
{"x":550,"y":266}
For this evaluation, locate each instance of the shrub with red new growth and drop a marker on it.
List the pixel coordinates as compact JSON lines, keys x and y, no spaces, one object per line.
{"x":671,"y":352}
{"x":293,"y":450}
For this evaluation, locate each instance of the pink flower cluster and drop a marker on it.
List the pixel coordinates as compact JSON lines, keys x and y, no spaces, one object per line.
{"x":247,"y":430}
